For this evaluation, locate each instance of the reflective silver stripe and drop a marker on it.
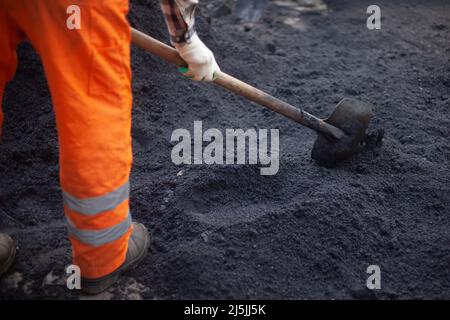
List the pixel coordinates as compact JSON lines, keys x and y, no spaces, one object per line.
{"x":99,"y":237}
{"x":91,"y":206}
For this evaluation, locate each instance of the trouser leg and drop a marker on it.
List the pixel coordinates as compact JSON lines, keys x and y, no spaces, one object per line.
{"x":88,"y":71}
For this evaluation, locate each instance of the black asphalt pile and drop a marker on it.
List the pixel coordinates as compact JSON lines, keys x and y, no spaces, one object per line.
{"x":223,"y":231}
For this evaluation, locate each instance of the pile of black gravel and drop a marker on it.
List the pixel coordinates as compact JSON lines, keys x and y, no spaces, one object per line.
{"x":226,"y":231}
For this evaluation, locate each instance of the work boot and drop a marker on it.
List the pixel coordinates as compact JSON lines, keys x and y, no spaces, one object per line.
{"x":7,"y":252}
{"x":138,"y":245}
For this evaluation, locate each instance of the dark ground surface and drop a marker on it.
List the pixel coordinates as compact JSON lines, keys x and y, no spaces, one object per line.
{"x":228,"y":232}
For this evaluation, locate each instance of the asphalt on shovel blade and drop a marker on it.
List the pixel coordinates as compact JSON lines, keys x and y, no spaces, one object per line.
{"x":351,"y":116}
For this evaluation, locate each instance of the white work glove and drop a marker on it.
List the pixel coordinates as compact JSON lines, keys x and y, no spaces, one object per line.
{"x":201,"y":62}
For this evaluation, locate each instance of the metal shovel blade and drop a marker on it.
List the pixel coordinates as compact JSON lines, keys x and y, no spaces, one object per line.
{"x":250,"y":10}
{"x":352,"y":117}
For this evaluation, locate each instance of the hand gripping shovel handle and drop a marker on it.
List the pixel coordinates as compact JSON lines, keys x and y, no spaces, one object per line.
{"x":239,"y":87}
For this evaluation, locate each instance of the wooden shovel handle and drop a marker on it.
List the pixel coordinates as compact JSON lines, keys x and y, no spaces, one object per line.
{"x":239,"y":87}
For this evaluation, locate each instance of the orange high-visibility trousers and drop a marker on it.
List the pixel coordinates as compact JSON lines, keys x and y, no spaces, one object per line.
{"x":89,"y":75}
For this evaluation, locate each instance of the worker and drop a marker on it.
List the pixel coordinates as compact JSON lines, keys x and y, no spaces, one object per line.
{"x":87,"y":65}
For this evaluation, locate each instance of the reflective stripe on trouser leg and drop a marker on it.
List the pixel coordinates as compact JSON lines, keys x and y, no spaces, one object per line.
{"x":95,"y":262}
{"x":97,"y":227}
{"x":95,"y":205}
{"x":99,"y":237}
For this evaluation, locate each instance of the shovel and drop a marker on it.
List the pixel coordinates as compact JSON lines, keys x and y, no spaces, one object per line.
{"x":339,"y":137}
